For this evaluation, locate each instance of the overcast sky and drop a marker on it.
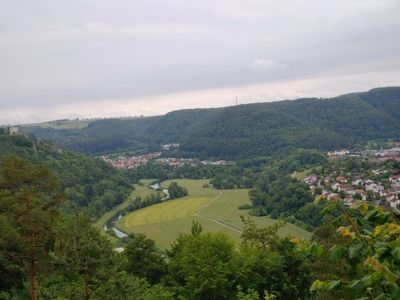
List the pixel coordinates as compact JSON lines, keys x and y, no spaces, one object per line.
{"x":98,"y":58}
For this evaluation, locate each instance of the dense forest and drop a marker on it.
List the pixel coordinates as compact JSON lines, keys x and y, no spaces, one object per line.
{"x":88,"y":183}
{"x":136,"y":135}
{"x":244,"y":131}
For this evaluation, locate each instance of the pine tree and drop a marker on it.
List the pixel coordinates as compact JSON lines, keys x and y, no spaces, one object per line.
{"x":29,"y":199}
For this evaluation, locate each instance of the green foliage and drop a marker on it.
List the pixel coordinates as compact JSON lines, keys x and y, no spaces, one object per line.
{"x":270,"y":128}
{"x":82,"y":258}
{"x":249,"y":295}
{"x":244,"y":131}
{"x":283,"y":195}
{"x":175,"y":191}
{"x":144,"y":259}
{"x":310,"y":214}
{"x":139,"y":203}
{"x":88,"y":183}
{"x":265,"y":237}
{"x":269,"y":263}
{"x":370,"y":246}
{"x":244,"y":206}
{"x":62,"y":257}
{"x":164,"y":172}
{"x":11,"y":270}
{"x":201,"y":264}
{"x":29,"y":197}
{"x":196,"y":228}
{"x":137,"y":135}
{"x":121,"y":286}
{"x":279,"y":195}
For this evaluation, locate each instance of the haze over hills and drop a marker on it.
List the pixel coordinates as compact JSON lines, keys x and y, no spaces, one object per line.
{"x":245,"y":130}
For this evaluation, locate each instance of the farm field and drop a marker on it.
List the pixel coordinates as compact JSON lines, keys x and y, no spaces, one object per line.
{"x":141,"y":190}
{"x":62,"y":124}
{"x":216,"y":210}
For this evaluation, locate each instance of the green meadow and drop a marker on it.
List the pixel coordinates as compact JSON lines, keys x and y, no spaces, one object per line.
{"x":216,"y":210}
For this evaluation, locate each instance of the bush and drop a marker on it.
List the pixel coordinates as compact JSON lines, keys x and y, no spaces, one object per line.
{"x":244,"y":206}
{"x":258,"y":211}
{"x":176,"y":191}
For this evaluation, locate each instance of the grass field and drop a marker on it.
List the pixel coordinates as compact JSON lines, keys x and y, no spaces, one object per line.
{"x":216,"y":210}
{"x":141,"y":190}
{"x":62,"y":124}
{"x":301,"y":175}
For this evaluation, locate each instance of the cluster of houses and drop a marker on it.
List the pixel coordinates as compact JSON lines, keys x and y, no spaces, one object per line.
{"x":170,"y":146}
{"x":178,"y":162}
{"x":129,"y":162}
{"x":383,"y":154}
{"x":357,"y":188}
{"x":372,"y":155}
{"x":338,"y":153}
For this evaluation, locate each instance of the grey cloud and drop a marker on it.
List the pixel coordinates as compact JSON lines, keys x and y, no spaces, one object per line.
{"x":56,"y":53}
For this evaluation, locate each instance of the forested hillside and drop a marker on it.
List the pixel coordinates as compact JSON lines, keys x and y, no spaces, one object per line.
{"x":271,"y":128}
{"x":88,"y":183}
{"x":137,"y":135}
{"x":48,"y":250}
{"x":246,"y":130}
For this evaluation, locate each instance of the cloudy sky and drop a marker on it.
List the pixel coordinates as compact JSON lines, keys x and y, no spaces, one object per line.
{"x":98,"y":58}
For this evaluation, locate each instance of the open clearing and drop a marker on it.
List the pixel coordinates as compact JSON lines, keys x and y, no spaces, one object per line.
{"x":216,"y":210}
{"x":302,"y":174}
{"x":62,"y":124}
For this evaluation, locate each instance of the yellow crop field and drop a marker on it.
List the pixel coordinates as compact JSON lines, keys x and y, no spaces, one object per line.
{"x":164,"y":212}
{"x":216,"y":210}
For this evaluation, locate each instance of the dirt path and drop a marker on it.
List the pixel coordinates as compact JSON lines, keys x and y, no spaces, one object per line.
{"x":217,"y":221}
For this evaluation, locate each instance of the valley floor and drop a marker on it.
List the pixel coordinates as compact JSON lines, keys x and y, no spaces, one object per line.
{"x":216,"y":210}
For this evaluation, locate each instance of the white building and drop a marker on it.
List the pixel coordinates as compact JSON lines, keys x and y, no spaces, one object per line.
{"x":376,"y":188}
{"x":342,"y":152}
{"x":13,"y":130}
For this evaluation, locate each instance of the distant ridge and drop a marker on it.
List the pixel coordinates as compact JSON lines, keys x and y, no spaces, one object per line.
{"x":247,"y":130}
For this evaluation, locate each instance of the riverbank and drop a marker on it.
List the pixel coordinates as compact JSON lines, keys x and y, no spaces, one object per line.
{"x":140,"y":190}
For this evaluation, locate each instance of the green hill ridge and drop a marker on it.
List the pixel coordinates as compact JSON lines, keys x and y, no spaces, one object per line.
{"x":244,"y":131}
